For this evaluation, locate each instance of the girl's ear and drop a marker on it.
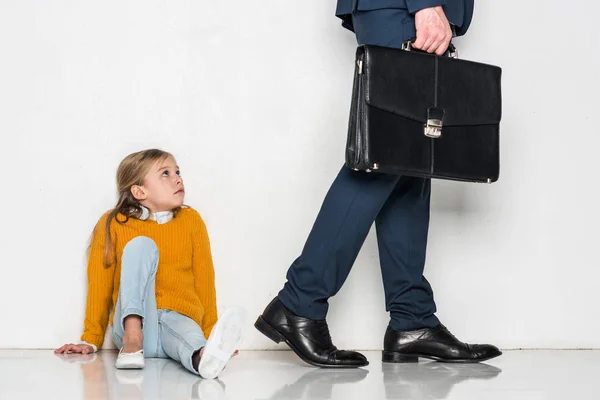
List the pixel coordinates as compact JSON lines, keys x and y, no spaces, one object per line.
{"x":138,"y":192}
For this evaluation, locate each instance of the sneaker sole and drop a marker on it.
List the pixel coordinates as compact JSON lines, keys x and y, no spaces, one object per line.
{"x":222,"y":342}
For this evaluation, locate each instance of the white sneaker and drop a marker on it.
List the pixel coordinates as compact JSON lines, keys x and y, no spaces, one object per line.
{"x":130,"y":360}
{"x":222,"y":342}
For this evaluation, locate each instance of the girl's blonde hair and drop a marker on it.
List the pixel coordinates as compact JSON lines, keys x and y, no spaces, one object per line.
{"x":132,"y":171}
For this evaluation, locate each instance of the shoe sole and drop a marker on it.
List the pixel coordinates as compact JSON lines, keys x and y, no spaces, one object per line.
{"x":130,"y":365}
{"x":395,"y":357}
{"x":266,"y":329}
{"x":222,"y":342}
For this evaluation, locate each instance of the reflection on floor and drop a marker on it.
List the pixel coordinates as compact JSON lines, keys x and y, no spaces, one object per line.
{"x":537,"y":375}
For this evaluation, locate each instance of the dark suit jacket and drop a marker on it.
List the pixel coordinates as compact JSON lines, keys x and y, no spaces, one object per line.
{"x":459,"y":12}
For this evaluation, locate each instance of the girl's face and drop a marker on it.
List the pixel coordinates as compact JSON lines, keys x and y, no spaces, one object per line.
{"x":163,"y":187}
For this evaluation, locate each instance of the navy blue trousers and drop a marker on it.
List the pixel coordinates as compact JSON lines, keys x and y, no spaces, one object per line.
{"x":398,"y":205}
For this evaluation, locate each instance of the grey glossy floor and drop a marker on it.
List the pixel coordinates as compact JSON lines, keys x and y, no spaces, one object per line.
{"x":517,"y":375}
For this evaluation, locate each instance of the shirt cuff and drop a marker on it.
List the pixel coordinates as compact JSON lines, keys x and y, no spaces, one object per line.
{"x":417,"y":5}
{"x":89,"y":344}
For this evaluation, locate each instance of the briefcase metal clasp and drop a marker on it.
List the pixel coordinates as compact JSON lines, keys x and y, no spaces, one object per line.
{"x":433,"y":128}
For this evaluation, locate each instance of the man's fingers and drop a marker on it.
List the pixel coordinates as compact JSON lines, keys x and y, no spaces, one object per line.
{"x":421,"y":38}
{"x":446,"y":43}
{"x":427,"y":42}
{"x":434,"y":44}
{"x":442,"y":48}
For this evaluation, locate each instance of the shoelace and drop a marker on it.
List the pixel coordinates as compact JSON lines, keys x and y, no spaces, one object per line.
{"x":448,"y":332}
{"x":323,"y":329}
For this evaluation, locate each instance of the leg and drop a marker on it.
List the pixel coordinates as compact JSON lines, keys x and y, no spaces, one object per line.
{"x":352,"y":203}
{"x":180,"y":338}
{"x":137,"y":298}
{"x":297,"y":315}
{"x":403,"y":222}
{"x":355,"y":199}
{"x":339,"y":231}
{"x":402,"y":227}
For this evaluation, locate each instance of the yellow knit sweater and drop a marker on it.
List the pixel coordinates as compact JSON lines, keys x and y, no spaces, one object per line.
{"x":185,"y":280}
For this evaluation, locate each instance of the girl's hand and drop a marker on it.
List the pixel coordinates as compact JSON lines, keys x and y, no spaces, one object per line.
{"x":74,"y":348}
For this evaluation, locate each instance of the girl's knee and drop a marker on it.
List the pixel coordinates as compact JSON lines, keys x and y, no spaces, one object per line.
{"x":141,"y":245}
{"x":140,"y":251}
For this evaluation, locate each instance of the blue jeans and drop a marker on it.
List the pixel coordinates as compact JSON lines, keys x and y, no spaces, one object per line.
{"x":167,"y":334}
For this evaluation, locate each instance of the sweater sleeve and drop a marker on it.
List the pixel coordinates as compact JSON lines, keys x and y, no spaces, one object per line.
{"x":99,"y":289}
{"x":204,"y":275}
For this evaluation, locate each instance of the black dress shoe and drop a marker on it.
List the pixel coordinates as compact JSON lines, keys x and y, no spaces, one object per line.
{"x":308,"y":338}
{"x":433,"y":343}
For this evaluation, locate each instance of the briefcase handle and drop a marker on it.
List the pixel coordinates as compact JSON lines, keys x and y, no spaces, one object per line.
{"x":407,"y":46}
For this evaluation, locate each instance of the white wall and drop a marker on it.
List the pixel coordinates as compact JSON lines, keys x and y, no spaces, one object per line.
{"x":253,"y":100}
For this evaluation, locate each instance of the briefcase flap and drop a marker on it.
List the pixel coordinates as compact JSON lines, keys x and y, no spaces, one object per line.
{"x":411,"y":84}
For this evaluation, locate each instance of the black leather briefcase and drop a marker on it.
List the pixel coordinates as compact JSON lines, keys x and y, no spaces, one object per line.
{"x":423,"y":115}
